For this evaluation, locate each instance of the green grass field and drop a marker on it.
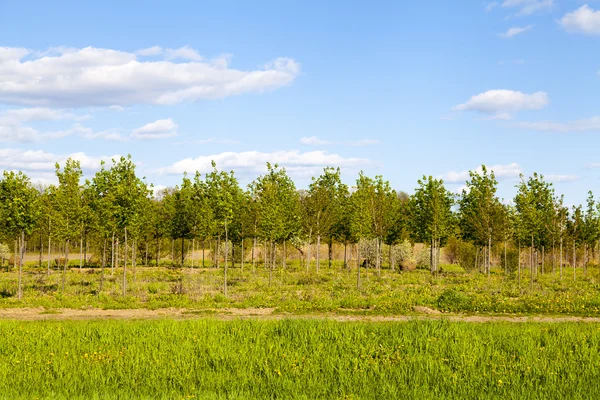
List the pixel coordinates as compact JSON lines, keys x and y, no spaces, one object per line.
{"x":304,"y":359}
{"x":298,"y":292}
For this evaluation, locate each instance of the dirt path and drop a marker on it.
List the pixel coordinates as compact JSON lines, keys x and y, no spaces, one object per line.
{"x":37,"y":314}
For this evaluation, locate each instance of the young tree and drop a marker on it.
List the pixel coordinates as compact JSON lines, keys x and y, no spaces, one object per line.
{"x":19,"y":211}
{"x":68,"y":206}
{"x":323,"y":207}
{"x":277,"y":202}
{"x":431,"y":217}
{"x":481,"y":213}
{"x":224,"y":194}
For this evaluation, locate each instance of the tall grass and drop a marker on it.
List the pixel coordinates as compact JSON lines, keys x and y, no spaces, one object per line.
{"x":295,"y":291}
{"x":304,"y":359}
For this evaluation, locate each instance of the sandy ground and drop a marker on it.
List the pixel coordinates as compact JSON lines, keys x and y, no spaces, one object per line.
{"x":37,"y":314}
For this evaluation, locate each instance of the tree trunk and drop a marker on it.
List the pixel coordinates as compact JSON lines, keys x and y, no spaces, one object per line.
{"x":16,"y":252}
{"x":203,"y":247}
{"x":543,"y":258}
{"x":531,"y":263}
{"x":308,"y":252}
{"x":519,"y":264}
{"x":66,"y":264}
{"x":112,"y":255}
{"x":172,"y":252}
{"x":318,"y":251}
{"x":242,"y":245}
{"x":330,"y":251}
{"x":225,"y":267}
{"x":574,"y":261}
{"x":431,"y":258}
{"x":134,"y":258}
{"x":561,"y":258}
{"x":270,"y":262}
{"x":41,"y":250}
{"x":80,"y":251}
{"x":182,"y":252}
{"x":357,"y":266}
{"x":49,"y":249}
{"x":253,"y":255}
{"x":489,"y":262}
{"x":102,"y":267}
{"x":283,"y":257}
{"x":125,"y":266}
{"x":345,"y":255}
{"x":21,"y":256}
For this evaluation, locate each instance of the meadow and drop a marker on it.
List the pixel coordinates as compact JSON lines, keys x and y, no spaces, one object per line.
{"x":295,"y":291}
{"x":304,"y":359}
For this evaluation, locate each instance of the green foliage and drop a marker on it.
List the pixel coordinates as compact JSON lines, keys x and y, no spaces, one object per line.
{"x":430,"y":209}
{"x":19,"y":209}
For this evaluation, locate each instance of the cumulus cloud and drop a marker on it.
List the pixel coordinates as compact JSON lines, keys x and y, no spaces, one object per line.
{"x":503,"y":102}
{"x":150,"y":51}
{"x":528,"y":7}
{"x":65,"y":77}
{"x":502,"y":172}
{"x":583,"y":20}
{"x":40,"y":165}
{"x":514,"y":31}
{"x":158,"y":129}
{"x":296,"y":163}
{"x":14,"y":126}
{"x":582,"y":125}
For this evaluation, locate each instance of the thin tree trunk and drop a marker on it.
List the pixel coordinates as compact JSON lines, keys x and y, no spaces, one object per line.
{"x":357,"y":266}
{"x":270,"y":262}
{"x":308,"y":251}
{"x":65,"y":265}
{"x":242,"y":245}
{"x":330,"y":251}
{"x":134,"y":258}
{"x":253,"y":255}
{"x":125,"y":266}
{"x":318,"y":252}
{"x":225,"y":267}
{"x":80,"y":251}
{"x":283,"y":257}
{"x":543,"y":258}
{"x":345,"y":255}
{"x":49,"y":249}
{"x":21,"y":256}
{"x":519,"y":266}
{"x":102,"y":267}
{"x":574,"y":260}
{"x":15,"y":253}
{"x":489,"y":266}
{"x":182,"y":252}
{"x":41,"y":250}
{"x":112,"y":255}
{"x":561,"y":258}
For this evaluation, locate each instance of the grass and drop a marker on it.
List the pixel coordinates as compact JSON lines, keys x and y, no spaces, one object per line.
{"x":297,"y":292}
{"x":304,"y":359}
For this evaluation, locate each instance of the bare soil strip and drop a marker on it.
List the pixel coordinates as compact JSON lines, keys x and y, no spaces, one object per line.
{"x":39,"y":314}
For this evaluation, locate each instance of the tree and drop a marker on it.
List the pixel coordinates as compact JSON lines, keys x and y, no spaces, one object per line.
{"x":68,"y":206}
{"x":277,"y":202}
{"x":534,"y":203}
{"x":19,"y":211}
{"x":224,"y":194}
{"x":323,"y":207}
{"x":373,"y":210}
{"x":481,"y":213}
{"x":431,"y":217}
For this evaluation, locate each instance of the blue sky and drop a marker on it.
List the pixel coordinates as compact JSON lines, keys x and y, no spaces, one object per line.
{"x":400,"y":89}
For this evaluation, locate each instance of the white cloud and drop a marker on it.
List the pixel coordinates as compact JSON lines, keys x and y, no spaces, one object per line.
{"x":183,"y":53}
{"x":528,"y":7}
{"x":13,"y":127}
{"x":158,"y":129}
{"x":503,"y":102}
{"x":40,"y":165}
{"x":364,"y":142}
{"x":582,"y":125}
{"x":501,"y":172}
{"x":313,"y":141}
{"x":514,"y":31}
{"x":583,"y":20}
{"x":150,"y":51}
{"x":556,"y":178}
{"x":490,"y":6}
{"x":296,"y":163}
{"x":62,"y":77}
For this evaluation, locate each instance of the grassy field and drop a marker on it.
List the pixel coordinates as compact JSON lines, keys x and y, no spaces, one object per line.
{"x":295,"y":291}
{"x":303,"y":359}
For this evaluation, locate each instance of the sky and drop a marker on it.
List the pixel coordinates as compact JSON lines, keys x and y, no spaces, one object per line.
{"x":400,"y":89}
